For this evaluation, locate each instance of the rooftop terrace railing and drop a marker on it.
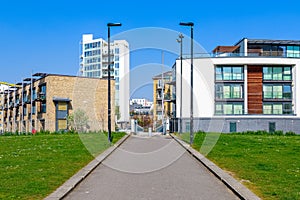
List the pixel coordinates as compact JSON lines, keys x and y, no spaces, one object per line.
{"x":276,"y":54}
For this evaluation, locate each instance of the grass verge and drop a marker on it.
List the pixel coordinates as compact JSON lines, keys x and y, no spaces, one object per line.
{"x":269,"y":165}
{"x":33,"y":166}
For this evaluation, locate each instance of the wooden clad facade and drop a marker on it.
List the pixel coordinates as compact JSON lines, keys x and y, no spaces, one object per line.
{"x":255,"y":88}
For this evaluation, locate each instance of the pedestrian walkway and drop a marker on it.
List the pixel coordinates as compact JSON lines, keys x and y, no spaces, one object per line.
{"x":151,"y":168}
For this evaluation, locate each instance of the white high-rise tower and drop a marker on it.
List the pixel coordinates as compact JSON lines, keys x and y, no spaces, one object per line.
{"x":94,"y":63}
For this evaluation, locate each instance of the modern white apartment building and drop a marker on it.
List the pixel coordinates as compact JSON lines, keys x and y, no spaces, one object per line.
{"x":252,"y":85}
{"x":144,"y":102}
{"x":94,"y":63}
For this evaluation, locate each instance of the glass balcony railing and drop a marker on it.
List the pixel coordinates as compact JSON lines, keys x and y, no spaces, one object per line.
{"x":280,"y":54}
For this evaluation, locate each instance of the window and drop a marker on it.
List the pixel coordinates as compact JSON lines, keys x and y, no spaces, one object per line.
{"x":43,"y":107}
{"x":62,"y":106}
{"x":267,"y":109}
{"x":117,"y":50}
{"x":283,"y":91}
{"x":117,"y":65}
{"x":277,"y":73}
{"x":33,"y":109}
{"x":62,"y":124}
{"x":287,"y":92}
{"x":25,"y":110}
{"x":43,"y":89}
{"x":34,"y":94}
{"x":229,"y":108}
{"x":219,"y":73}
{"x":287,"y":108}
{"x":229,"y":91}
{"x":116,"y":58}
{"x":287,"y":74}
{"x":219,"y":109}
{"x":24,"y":96}
{"x":277,"y":91}
{"x":237,"y":73}
{"x":293,"y":51}
{"x":229,"y":73}
{"x":277,"y":108}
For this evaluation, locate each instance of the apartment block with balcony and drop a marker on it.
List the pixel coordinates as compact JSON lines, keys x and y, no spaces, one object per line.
{"x":163,"y":96}
{"x":44,"y":102}
{"x":252,"y":85}
{"x":3,"y":88}
{"x":94,"y":63}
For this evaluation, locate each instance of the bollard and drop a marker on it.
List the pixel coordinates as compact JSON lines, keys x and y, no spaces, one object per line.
{"x":150,"y":132}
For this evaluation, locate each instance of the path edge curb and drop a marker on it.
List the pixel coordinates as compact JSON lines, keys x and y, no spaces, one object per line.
{"x":234,"y":185}
{"x":71,"y":183}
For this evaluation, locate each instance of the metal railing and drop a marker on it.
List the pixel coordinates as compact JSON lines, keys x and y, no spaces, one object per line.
{"x":248,"y":54}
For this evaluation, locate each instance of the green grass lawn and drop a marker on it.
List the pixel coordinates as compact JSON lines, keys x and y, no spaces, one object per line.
{"x":267,"y":164}
{"x":34,"y":166}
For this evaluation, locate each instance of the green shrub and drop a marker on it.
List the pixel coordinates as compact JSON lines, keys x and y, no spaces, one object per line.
{"x":278,"y":132}
{"x":290,"y":133}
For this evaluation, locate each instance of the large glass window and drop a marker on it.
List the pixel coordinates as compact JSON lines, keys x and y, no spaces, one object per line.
{"x":229,"y":73}
{"x":277,"y":108}
{"x":229,"y":108}
{"x":277,"y":73}
{"x":293,"y":51}
{"x":229,"y":91}
{"x":277,"y":91}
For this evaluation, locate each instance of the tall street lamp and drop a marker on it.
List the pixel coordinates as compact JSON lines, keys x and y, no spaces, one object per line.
{"x":109,"y":100}
{"x":191,"y":24}
{"x":180,"y":41}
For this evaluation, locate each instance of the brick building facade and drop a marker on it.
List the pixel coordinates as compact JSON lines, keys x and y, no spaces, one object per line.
{"x":50,"y":99}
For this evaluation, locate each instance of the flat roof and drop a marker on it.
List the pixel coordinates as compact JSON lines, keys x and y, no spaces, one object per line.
{"x":159,"y":76}
{"x":267,"y":41}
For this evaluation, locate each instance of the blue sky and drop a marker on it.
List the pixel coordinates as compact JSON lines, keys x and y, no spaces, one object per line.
{"x":44,"y":36}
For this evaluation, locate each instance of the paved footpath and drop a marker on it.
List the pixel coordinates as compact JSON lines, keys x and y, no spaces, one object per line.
{"x":151,"y":168}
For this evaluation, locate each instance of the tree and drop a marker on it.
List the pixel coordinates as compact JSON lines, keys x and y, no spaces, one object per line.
{"x":78,"y":121}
